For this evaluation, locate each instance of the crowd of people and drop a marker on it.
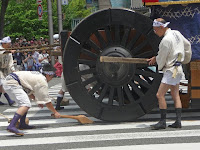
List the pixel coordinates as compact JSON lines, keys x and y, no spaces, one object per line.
{"x":30,"y":60}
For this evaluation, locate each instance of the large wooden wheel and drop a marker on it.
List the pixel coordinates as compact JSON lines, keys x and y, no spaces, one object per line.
{"x":112,"y":91}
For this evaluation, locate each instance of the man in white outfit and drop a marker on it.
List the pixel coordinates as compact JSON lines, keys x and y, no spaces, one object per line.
{"x":172,"y":44}
{"x":6,"y":66}
{"x":23,"y":85}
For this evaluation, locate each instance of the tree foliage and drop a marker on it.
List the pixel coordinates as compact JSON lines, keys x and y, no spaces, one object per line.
{"x":75,"y":9}
{"x":21,"y":19}
{"x":3,"y":6}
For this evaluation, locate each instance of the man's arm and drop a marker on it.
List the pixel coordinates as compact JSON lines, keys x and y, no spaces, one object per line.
{"x":152,"y":60}
{"x":52,"y":109}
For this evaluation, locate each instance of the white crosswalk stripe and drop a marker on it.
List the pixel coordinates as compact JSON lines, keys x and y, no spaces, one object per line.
{"x":67,"y":133}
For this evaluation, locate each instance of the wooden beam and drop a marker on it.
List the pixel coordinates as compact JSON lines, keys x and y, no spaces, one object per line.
{"x":124,"y":60}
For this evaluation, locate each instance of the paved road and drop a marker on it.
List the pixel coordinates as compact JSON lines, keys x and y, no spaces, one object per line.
{"x":65,"y":133}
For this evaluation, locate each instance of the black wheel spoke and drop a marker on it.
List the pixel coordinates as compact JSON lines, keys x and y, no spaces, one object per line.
{"x":145,"y":55}
{"x":139,"y":47}
{"x":88,"y":71}
{"x":136,"y":89}
{"x":148,"y":80}
{"x":108,"y":35}
{"x":94,"y":46}
{"x":95,"y":88}
{"x":90,"y":80}
{"x":145,"y":73}
{"x":100,"y":39}
{"x":87,"y":62}
{"x":142,"y":82}
{"x":103,"y":93}
{"x":125,"y":36}
{"x":117,"y":34}
{"x":133,"y":41}
{"x":111,"y":96}
{"x":128,"y":93}
{"x":89,"y":53}
{"x":120,"y":96}
{"x":141,"y":66}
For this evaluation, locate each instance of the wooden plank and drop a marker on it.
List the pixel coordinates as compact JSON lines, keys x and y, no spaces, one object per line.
{"x":123,"y":60}
{"x":56,"y":53}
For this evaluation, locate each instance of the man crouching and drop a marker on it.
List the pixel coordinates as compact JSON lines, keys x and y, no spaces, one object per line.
{"x":23,"y":85}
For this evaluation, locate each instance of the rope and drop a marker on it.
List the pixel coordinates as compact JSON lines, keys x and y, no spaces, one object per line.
{"x":5,"y":117}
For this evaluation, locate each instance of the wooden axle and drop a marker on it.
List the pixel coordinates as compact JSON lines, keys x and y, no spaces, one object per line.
{"x":124,"y":60}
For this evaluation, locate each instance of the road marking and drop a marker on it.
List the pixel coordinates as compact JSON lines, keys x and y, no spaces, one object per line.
{"x":100,"y":137}
{"x":49,"y":121}
{"x":38,"y":115}
{"x":93,"y":127}
{"x":177,"y":146}
{"x":45,"y":108}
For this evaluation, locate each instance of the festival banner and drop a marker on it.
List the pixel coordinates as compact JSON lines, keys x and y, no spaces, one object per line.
{"x":184,"y":18}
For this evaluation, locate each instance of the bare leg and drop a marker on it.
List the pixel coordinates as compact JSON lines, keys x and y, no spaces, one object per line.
{"x":161,"y":95}
{"x":162,"y":105}
{"x":175,"y":96}
{"x":22,"y":110}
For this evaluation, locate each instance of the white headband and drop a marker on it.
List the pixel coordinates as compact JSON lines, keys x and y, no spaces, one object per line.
{"x":6,"y":40}
{"x":48,"y":72}
{"x":158,"y":24}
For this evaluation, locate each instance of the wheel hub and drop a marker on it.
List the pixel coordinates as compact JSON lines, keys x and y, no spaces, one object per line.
{"x":115,"y":74}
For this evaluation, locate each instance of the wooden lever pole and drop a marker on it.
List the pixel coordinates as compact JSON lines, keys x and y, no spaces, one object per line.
{"x":5,"y":117}
{"x":80,"y":118}
{"x":124,"y":60}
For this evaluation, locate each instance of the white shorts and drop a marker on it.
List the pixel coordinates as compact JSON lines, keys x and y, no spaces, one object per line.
{"x":2,"y":81}
{"x":168,"y":79}
{"x":17,"y":94}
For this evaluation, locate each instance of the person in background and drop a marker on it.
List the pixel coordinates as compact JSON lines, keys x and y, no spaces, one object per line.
{"x":35,"y":56}
{"x":30,"y":61}
{"x":18,"y":56}
{"x":58,"y":66}
{"x":43,"y":57}
{"x":6,"y":66}
{"x":171,"y":46}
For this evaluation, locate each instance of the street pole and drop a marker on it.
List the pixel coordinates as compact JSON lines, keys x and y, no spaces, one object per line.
{"x":50,"y":25}
{"x":60,"y":26}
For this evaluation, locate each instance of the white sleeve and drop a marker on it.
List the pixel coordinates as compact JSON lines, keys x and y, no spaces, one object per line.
{"x":11,"y":65}
{"x":164,"y":50}
{"x":42,"y":95}
{"x":187,"y":50}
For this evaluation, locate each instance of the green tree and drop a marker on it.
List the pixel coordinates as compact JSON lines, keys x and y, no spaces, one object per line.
{"x":75,"y":9}
{"x":21,"y":19}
